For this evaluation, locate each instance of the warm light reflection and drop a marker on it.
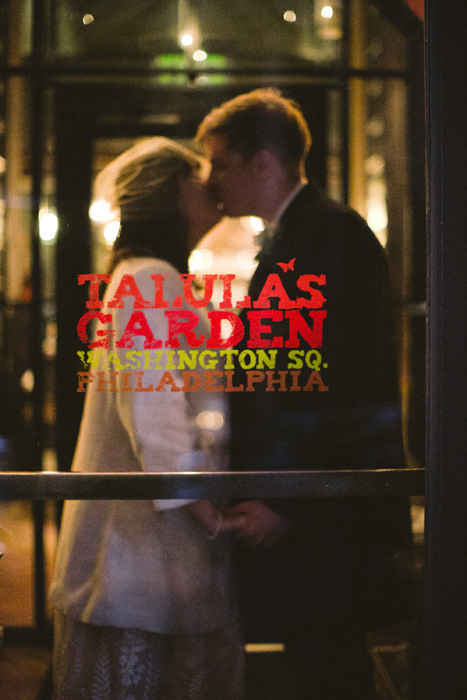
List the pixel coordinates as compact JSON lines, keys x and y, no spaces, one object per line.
{"x":27,"y":381}
{"x":375,"y":165}
{"x":257,"y":224}
{"x":246,"y":260}
{"x":252,"y":223}
{"x":200,"y":259}
{"x":200,"y":55}
{"x":100,"y":211}
{"x":48,"y":226}
{"x":264,"y":648}
{"x":186,"y":40}
{"x":327,"y":12}
{"x":377,"y":211}
{"x":88,"y":19}
{"x":110,"y":232}
{"x":49,"y":460}
{"x":210,"y":420}
{"x":377,"y":219}
{"x":290,"y":16}
{"x":206,"y":439}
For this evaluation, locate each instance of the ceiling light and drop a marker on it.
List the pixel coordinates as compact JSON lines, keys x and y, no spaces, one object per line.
{"x":186,"y":40}
{"x":290,"y":16}
{"x":200,"y":55}
{"x":48,"y":226}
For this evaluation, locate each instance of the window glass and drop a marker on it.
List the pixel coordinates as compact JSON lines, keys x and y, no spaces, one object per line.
{"x":17,"y":541}
{"x":197,"y":33}
{"x":17,"y":259}
{"x":16,"y":582}
{"x":378,"y":34}
{"x":16,"y":20}
{"x":362,"y":144}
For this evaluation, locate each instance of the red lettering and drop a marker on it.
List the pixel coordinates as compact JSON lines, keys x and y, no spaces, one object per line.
{"x":281,"y":380}
{"x":210,"y":380}
{"x":216,"y":340}
{"x":188,"y":290}
{"x":226,"y":302}
{"x":229,"y":375}
{"x":126,"y":386}
{"x":295,"y":385}
{"x":139,"y":385}
{"x":138,"y":325}
{"x":103,"y":381}
{"x":191,"y":381}
{"x":273,"y":287}
{"x":316,"y":299}
{"x":298,"y":325}
{"x":94,"y":301}
{"x":159,"y":301}
{"x":83,"y":379}
{"x":128,"y":288}
{"x":315,"y":380}
{"x":257,"y":329}
{"x":104,"y":334}
{"x":245,"y":303}
{"x":176,"y":326}
{"x":253,"y":378}
{"x":167,"y":380}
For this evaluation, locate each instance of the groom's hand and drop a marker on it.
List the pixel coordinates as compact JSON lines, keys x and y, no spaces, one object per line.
{"x":261,"y":526}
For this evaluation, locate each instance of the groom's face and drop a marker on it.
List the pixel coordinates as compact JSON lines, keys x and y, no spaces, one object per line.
{"x":233,"y":179}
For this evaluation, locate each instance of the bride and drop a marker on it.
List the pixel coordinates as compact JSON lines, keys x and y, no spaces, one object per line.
{"x":142,"y":590}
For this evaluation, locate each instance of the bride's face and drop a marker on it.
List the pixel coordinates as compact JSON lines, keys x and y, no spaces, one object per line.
{"x":199,"y":207}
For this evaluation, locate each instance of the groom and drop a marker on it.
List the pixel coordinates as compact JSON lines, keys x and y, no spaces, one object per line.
{"x":300,"y":564}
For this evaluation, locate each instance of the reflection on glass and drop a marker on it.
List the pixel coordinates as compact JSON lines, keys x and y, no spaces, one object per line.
{"x":16,"y":580}
{"x":264,"y":33}
{"x":290,"y":16}
{"x":200,"y":55}
{"x":100,"y":211}
{"x":48,"y":225}
{"x":17,"y":574}
{"x":110,"y":232}
{"x":377,"y":34}
{"x":218,"y":36}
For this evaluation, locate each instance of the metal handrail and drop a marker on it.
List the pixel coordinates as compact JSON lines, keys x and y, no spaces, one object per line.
{"x":17,"y":486}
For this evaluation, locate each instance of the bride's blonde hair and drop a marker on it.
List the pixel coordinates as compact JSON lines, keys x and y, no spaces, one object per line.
{"x":144,"y":180}
{"x":143,"y":184}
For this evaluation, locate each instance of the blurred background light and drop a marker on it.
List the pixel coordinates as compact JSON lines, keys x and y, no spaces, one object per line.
{"x":48,"y":225}
{"x":327,"y":12}
{"x":27,"y":381}
{"x":100,"y":211}
{"x":200,"y":55}
{"x":110,"y":232}
{"x":290,"y":16}
{"x":210,"y":420}
{"x":200,"y":259}
{"x":252,"y":223}
{"x":186,"y":40}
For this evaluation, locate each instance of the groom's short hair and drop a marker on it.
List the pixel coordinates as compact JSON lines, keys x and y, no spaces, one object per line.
{"x":261,"y":119}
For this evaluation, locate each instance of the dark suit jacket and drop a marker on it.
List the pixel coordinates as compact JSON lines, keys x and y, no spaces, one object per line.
{"x":314,"y":574}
